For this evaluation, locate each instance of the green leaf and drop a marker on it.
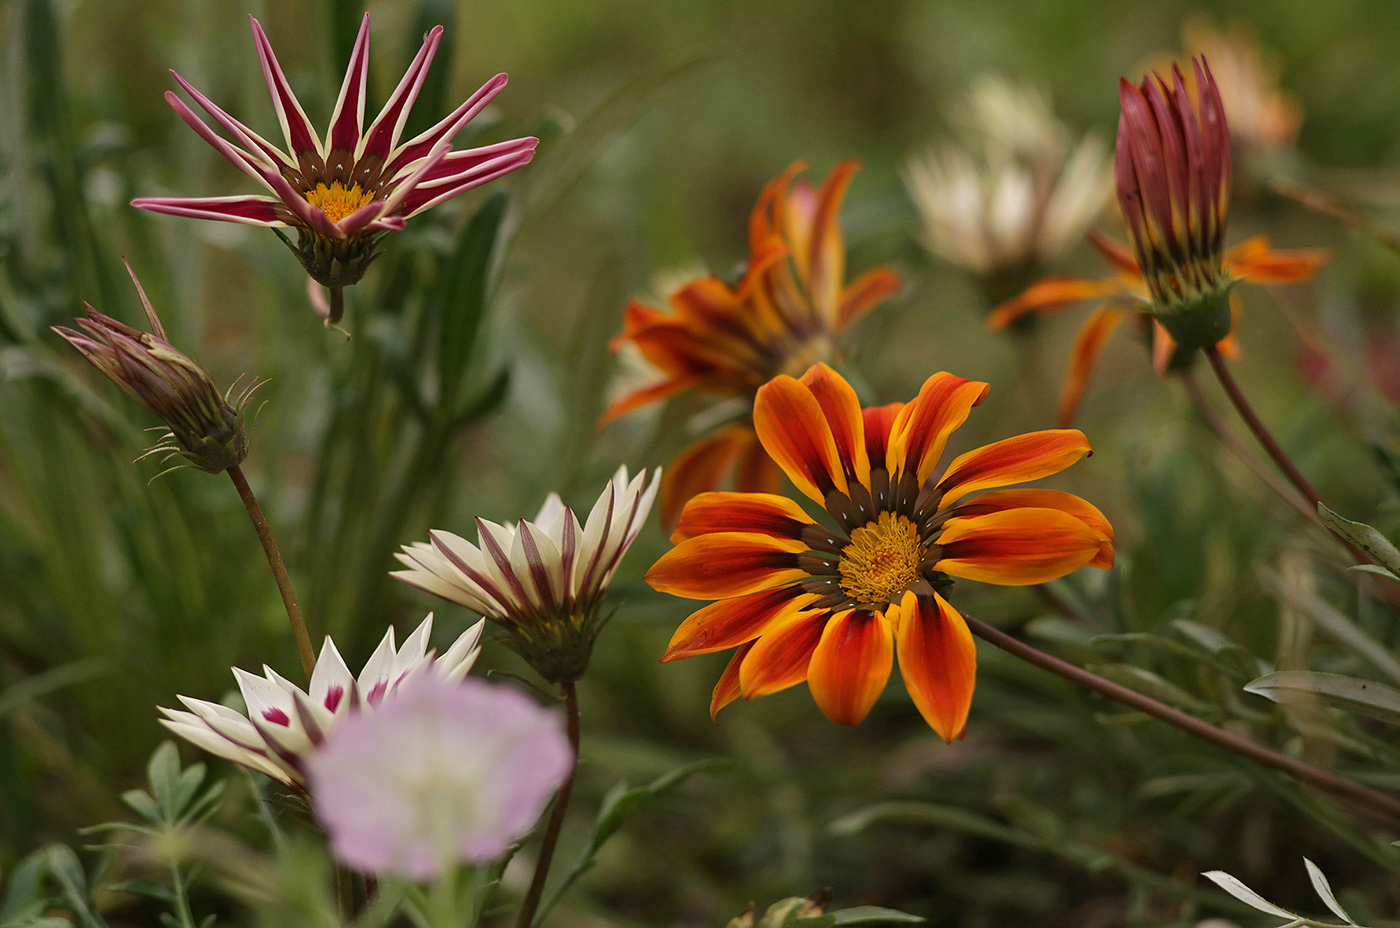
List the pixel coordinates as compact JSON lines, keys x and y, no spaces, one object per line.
{"x":926,"y":813}
{"x":1246,"y":895}
{"x":163,"y":773}
{"x":140,"y":802}
{"x":1364,"y":537}
{"x":875,"y":915}
{"x":1332,"y":621}
{"x":1149,"y":684}
{"x":620,"y":804}
{"x":1324,"y":891}
{"x":1375,"y":699}
{"x":459,"y":301}
{"x":67,"y":871}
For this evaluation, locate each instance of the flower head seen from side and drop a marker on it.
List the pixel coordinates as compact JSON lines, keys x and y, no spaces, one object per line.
{"x":205,"y":425}
{"x":543,"y":581}
{"x":1173,"y":180}
{"x":341,"y":192}
{"x":833,"y":604}
{"x":445,"y":772}
{"x":726,"y":341}
{"x":1016,"y":194}
{"x":285,"y":725}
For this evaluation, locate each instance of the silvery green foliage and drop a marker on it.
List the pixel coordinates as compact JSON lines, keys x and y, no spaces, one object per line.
{"x":1249,"y":897}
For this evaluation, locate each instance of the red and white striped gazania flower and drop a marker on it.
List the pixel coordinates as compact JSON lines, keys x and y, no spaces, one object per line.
{"x":542,"y":580}
{"x":285,"y":725}
{"x":342,"y":191}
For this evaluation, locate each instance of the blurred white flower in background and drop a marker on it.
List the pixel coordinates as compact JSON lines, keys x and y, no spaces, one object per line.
{"x":1017,"y":192}
{"x":445,"y":772}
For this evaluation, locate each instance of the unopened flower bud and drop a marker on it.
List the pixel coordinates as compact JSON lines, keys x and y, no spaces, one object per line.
{"x":206,"y":428}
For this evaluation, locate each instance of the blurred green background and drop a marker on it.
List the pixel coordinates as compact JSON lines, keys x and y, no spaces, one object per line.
{"x":660,"y":124}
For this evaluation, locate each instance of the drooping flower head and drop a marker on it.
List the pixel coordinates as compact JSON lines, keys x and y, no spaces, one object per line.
{"x":784,"y":315}
{"x":285,"y":725}
{"x":833,"y":603}
{"x":206,"y":426}
{"x":446,"y":772}
{"x":1016,"y":194}
{"x":543,"y":581}
{"x":342,"y":191}
{"x":1173,"y":180}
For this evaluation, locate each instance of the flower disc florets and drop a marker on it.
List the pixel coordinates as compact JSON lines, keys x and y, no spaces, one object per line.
{"x":1173,"y":180}
{"x":543,"y":581}
{"x":206,"y":428}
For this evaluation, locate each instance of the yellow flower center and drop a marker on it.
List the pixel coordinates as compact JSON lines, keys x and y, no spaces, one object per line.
{"x":336,"y":201}
{"x":881,"y":560}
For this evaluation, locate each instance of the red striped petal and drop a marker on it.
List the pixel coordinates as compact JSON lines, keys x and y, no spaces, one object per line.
{"x":1013,"y":460}
{"x":825,"y":260}
{"x":1081,"y":509}
{"x":731,"y":622}
{"x":780,"y":658}
{"x":349,"y":113}
{"x":794,"y":431}
{"x":1087,"y":347}
{"x":865,"y":293}
{"x":851,"y":665}
{"x":1018,"y":547}
{"x":841,"y":407}
{"x":727,"y":688}
{"x":938,"y":661}
{"x":922,"y":428}
{"x":301,"y":139}
{"x":762,"y":513}
{"x":727,"y":564}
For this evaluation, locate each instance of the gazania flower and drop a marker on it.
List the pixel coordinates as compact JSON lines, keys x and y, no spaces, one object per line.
{"x":285,"y":725}
{"x":1173,"y":180}
{"x":445,"y":772}
{"x":206,"y":426}
{"x":341,"y":192}
{"x":543,"y":580}
{"x":834,"y":603}
{"x":727,"y":341}
{"x":1015,"y":195}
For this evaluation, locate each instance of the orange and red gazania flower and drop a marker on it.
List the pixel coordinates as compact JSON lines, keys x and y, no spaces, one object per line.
{"x":728,"y":340}
{"x":802,"y":600}
{"x":1173,"y":183}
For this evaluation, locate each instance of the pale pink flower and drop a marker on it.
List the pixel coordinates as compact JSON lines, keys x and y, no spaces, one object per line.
{"x":445,"y":772}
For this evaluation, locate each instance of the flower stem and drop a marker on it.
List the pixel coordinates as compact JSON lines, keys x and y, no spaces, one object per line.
{"x":1274,"y":449}
{"x":1365,"y":800}
{"x":556,"y":815}
{"x":279,"y":569}
{"x":337,"y":305}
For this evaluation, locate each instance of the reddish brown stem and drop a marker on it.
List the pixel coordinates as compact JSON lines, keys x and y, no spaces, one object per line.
{"x":1364,"y":799}
{"x":556,"y":816}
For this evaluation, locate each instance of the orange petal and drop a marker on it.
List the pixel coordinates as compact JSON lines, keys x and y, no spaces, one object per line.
{"x":727,"y":689}
{"x":1118,"y":255}
{"x":645,"y":396}
{"x":698,"y":469}
{"x":1050,"y":295}
{"x":924,"y":424}
{"x":879,"y":423}
{"x":780,"y":658}
{"x":755,"y":472}
{"x":730,"y":622}
{"x":1257,"y":263}
{"x":762,"y":513}
{"x":1013,"y":460}
{"x":865,"y":293}
{"x":1017,"y":547}
{"x":727,"y":564}
{"x":938,"y":661}
{"x":765,"y":221}
{"x":794,"y":431}
{"x":841,"y":407}
{"x":851,"y":665}
{"x":1163,"y":348}
{"x":1081,"y":509}
{"x":1087,"y":346}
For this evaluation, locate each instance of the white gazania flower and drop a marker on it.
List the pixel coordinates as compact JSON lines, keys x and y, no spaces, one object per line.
{"x":1018,"y":194}
{"x":542,"y":580}
{"x":285,"y":725}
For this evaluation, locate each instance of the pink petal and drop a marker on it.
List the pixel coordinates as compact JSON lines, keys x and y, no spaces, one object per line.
{"x":297,"y":128}
{"x":344,"y":134}
{"x":245,"y":161}
{"x":250,"y":210}
{"x":381,"y":137}
{"x":419,"y":146}
{"x":241,"y":133}
{"x":421,"y":199}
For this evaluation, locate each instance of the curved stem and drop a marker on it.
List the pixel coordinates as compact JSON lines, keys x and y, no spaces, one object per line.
{"x":279,"y":569}
{"x":556,"y":816}
{"x":1261,"y":431}
{"x":337,"y":305}
{"x":1365,"y":800}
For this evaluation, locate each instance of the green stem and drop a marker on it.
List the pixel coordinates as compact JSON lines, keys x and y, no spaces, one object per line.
{"x":279,"y":569}
{"x":1367,"y":801}
{"x":182,"y":902}
{"x":556,"y":815}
